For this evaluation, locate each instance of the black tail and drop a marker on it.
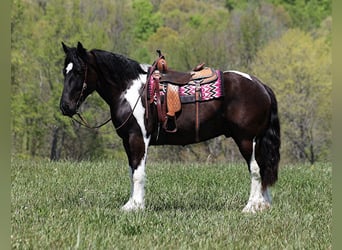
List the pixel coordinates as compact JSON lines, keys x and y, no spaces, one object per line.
{"x":268,"y":145}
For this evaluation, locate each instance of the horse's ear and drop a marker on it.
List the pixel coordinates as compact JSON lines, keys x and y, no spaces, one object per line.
{"x":65,"y":48}
{"x":81,"y":52}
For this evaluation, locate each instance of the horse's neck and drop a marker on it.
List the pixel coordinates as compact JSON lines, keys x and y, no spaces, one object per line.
{"x":112,"y":86}
{"x":109,"y":89}
{"x":109,"y":94}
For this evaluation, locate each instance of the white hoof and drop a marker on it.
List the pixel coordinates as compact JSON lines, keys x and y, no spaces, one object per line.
{"x":132,"y":206}
{"x":256,"y":206}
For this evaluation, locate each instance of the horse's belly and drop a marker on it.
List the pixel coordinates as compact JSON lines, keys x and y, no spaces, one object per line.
{"x":210,"y":125}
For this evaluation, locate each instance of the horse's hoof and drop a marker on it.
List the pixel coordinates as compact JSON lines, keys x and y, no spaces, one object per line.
{"x":132,"y":206}
{"x":254,"y":207}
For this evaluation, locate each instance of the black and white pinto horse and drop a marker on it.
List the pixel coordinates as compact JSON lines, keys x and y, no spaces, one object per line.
{"x":247,"y":112}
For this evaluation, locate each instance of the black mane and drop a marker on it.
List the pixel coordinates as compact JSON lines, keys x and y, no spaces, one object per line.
{"x":120,"y":68}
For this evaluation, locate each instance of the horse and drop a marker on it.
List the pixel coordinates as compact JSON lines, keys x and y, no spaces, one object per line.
{"x":247,"y":112}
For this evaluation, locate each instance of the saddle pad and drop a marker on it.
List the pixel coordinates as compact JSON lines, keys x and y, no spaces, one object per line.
{"x":209,"y":91}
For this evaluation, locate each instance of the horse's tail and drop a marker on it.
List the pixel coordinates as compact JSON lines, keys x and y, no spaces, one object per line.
{"x":269,"y":145}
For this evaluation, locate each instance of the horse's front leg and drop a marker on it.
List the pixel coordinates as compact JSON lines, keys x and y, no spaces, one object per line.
{"x":136,"y":149}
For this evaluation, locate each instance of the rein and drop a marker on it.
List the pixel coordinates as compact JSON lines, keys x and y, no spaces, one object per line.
{"x":131,"y":113}
{"x":150,"y":72}
{"x":84,"y":123}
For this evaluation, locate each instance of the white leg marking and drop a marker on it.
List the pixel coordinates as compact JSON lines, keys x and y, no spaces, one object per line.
{"x":258,"y":200}
{"x":241,"y":73}
{"x":136,"y":200}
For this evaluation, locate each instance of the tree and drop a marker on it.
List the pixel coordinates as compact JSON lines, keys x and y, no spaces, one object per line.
{"x":304,"y":14}
{"x":307,"y":15}
{"x":298,"y":68}
{"x":193,"y":32}
{"x":145,"y":23}
{"x":254,"y":27}
{"x":38,"y":127}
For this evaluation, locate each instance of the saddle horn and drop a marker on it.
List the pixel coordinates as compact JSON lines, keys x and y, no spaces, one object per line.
{"x":161,"y":63}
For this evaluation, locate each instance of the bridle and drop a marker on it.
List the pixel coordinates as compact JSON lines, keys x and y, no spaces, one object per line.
{"x":83,"y":122}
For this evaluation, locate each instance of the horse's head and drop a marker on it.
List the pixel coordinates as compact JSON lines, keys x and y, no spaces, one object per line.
{"x":76,"y":75}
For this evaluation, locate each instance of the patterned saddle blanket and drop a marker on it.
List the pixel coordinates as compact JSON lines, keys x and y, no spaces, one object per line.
{"x":187,"y":93}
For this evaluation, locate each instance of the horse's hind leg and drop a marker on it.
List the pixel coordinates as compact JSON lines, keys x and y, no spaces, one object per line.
{"x":260,"y":197}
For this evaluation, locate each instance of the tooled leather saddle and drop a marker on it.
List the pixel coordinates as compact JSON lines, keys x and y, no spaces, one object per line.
{"x":168,"y":89}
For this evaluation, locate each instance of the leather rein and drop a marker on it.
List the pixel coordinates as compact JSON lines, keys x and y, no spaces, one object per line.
{"x":83,"y":121}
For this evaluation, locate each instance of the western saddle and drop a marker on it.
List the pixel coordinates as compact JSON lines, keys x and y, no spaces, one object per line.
{"x":162,"y":77}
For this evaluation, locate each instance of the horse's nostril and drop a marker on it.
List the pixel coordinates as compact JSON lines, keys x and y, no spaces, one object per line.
{"x":66,"y":110}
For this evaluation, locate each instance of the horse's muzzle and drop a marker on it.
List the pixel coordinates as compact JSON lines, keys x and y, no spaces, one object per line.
{"x":67,"y":110}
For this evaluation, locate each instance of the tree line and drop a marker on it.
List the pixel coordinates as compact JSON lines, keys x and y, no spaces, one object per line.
{"x":285,"y":43}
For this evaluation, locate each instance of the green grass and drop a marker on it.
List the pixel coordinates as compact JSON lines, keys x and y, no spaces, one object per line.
{"x":64,"y":205}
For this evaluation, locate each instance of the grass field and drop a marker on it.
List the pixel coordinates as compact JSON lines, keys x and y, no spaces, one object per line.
{"x":64,"y":205}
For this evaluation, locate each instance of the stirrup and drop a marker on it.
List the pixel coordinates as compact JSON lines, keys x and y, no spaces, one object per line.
{"x":170,"y":124}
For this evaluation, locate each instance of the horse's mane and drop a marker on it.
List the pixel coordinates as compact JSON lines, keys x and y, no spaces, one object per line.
{"x":117,"y":67}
